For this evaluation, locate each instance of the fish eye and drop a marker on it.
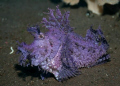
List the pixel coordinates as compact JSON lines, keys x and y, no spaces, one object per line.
{"x":41,"y":35}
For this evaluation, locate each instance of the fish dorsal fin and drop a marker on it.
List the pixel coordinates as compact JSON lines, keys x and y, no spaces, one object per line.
{"x":57,"y":20}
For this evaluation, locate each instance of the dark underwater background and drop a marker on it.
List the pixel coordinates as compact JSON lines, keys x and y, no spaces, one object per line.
{"x":17,"y":15}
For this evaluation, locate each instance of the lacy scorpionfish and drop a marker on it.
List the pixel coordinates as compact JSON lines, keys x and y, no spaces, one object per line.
{"x":61,"y":51}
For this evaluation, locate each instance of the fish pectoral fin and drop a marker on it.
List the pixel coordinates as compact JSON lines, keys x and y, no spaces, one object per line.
{"x":66,"y":73}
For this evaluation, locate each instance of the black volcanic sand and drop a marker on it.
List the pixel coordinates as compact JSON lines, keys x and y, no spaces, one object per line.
{"x":17,"y":15}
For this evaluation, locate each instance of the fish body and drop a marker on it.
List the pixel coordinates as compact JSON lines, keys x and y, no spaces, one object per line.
{"x":61,"y":51}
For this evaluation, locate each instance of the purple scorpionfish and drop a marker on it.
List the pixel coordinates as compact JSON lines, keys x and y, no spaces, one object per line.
{"x":61,"y":51}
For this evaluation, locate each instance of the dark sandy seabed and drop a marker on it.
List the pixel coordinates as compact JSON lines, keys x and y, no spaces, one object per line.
{"x":17,"y":15}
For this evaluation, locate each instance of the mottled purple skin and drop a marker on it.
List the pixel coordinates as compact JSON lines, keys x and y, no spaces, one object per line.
{"x":60,"y":51}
